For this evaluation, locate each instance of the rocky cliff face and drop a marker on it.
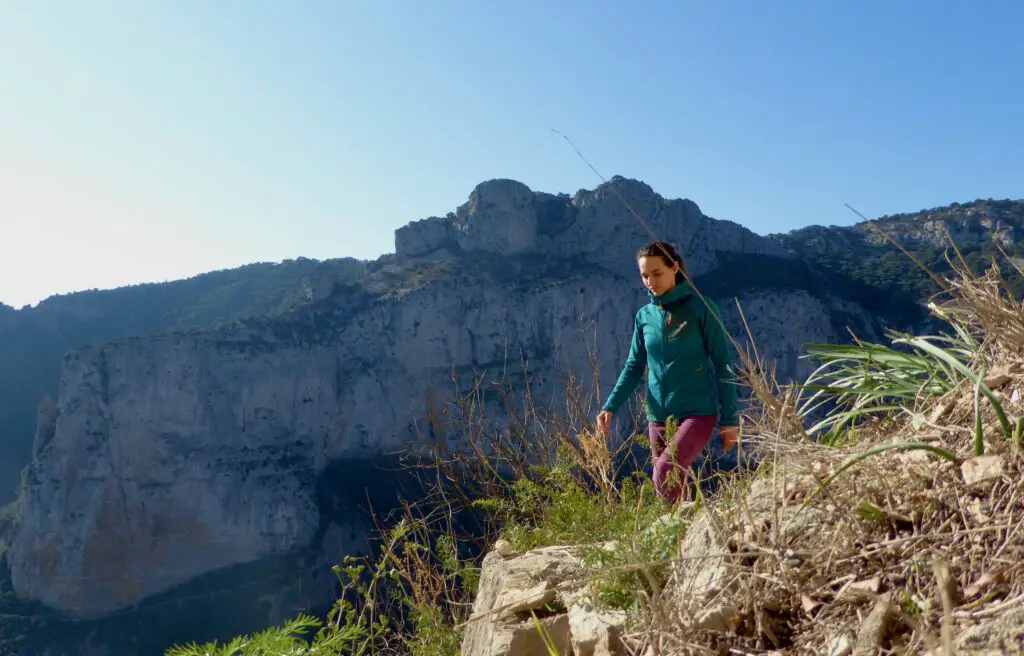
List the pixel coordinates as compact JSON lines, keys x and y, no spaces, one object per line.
{"x":33,"y":340}
{"x":177,"y":455}
{"x":984,"y":231}
{"x":974,"y":224}
{"x":969,"y":224}
{"x":505,"y":216}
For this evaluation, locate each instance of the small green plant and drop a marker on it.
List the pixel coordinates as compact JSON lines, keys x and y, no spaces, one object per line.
{"x":432,"y":635}
{"x":909,"y":605}
{"x":961,"y":368}
{"x":288,"y":639}
{"x":549,"y":643}
{"x":869,"y":512}
{"x":558,"y":508}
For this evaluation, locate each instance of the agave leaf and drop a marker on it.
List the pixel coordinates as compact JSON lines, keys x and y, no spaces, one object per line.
{"x":925,"y":345}
{"x":854,"y":381}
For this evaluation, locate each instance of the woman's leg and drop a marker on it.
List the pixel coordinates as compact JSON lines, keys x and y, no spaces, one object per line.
{"x":673,"y":462}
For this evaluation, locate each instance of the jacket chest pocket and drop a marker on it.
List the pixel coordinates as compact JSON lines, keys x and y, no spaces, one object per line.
{"x":677,"y":325}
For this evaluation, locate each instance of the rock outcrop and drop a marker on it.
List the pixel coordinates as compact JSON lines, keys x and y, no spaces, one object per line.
{"x":753,"y":568}
{"x":980,"y":222}
{"x":543,"y":590}
{"x":505,"y":216}
{"x":180,"y":454}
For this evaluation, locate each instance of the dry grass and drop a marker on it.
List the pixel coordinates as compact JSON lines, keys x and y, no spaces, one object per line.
{"x":899,"y":551}
{"x":986,"y":305}
{"x":506,"y":435}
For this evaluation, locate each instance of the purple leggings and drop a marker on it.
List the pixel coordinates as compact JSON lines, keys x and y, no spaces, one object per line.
{"x":690,"y":439}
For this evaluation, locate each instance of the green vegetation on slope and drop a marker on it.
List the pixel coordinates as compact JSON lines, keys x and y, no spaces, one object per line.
{"x":891,"y":272}
{"x":862,"y":254}
{"x":746,"y":272}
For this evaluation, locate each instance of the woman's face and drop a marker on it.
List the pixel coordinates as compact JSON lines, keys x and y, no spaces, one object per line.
{"x":657,"y":275}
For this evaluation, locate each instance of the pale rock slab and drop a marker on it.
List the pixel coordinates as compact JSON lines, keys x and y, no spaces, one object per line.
{"x":550,"y":583}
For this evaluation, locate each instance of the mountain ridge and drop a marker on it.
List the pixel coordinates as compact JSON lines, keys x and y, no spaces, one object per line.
{"x":1016,"y":207}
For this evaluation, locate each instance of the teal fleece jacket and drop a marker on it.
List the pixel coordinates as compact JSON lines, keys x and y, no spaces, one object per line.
{"x":675,"y":336}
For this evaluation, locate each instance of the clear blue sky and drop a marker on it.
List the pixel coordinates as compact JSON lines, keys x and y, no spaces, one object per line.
{"x":148,"y":140}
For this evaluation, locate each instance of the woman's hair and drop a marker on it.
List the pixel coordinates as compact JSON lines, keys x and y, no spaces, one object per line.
{"x":668,"y":254}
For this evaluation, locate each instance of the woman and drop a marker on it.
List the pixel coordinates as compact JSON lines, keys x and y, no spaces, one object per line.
{"x":675,"y":336}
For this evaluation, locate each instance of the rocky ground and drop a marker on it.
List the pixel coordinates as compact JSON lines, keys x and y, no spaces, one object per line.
{"x":893,"y":556}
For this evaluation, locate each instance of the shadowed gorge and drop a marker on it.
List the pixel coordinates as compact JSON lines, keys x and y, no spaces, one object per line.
{"x":234,"y":600}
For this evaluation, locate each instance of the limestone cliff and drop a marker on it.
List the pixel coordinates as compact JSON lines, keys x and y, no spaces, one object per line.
{"x":33,"y":340}
{"x":505,"y":216}
{"x":181,"y":454}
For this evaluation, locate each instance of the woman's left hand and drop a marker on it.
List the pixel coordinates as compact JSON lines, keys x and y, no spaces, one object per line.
{"x":729,"y":436}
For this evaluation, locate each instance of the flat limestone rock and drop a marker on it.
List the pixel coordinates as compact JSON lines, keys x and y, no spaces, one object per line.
{"x":547,"y":584}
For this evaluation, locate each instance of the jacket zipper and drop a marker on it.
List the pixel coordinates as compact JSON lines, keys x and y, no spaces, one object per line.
{"x":664,"y":359}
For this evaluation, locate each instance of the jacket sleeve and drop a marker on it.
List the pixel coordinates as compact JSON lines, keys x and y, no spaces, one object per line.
{"x":632,"y":371}
{"x":718,"y":351}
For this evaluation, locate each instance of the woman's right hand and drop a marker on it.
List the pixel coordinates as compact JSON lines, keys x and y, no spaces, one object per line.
{"x":604,"y":421}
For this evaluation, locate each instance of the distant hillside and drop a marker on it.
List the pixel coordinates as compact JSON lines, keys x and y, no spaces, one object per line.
{"x":748,"y":272}
{"x":34,"y":340}
{"x":860,"y":252}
